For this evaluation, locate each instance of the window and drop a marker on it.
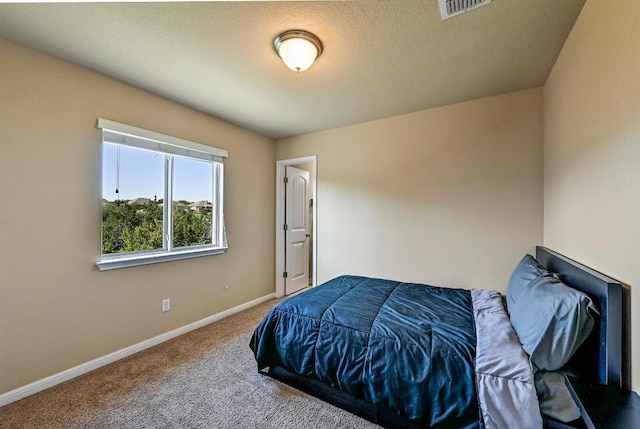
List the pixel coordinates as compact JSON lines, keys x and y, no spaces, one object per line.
{"x":162,"y":197}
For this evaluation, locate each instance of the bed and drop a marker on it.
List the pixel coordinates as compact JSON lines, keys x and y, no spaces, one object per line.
{"x":413,"y":355}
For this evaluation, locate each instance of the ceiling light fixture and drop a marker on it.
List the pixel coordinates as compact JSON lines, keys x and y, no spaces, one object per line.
{"x":298,"y":49}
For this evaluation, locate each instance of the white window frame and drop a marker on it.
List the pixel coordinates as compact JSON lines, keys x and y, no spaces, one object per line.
{"x":127,"y":135}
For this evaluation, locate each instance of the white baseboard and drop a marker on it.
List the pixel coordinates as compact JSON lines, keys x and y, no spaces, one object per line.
{"x":45,"y":383}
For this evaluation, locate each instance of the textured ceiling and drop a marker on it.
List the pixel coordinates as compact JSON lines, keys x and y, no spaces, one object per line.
{"x":382,"y":57}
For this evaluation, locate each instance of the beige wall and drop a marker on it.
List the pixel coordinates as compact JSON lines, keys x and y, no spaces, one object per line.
{"x":450,"y":196}
{"x":56,"y":309}
{"x":592,"y":149}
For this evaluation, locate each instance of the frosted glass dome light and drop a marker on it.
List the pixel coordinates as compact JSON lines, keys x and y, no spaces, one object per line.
{"x":298,"y":49}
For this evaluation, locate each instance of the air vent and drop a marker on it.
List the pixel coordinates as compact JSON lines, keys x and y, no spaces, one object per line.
{"x":449,"y":8}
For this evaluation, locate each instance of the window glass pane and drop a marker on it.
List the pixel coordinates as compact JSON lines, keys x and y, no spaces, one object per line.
{"x":192,"y":198}
{"x":132,"y":190}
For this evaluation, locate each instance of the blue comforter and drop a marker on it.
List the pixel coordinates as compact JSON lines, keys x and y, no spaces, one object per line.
{"x":409,"y":348}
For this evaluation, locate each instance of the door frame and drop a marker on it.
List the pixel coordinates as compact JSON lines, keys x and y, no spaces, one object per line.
{"x":281,"y":167}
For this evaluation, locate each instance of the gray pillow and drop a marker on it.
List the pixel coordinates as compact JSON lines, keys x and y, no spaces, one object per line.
{"x":552,"y":320}
{"x":554,"y":396}
{"x":528,"y":269}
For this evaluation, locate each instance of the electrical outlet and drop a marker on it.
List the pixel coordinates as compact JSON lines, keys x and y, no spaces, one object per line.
{"x":166,"y":305}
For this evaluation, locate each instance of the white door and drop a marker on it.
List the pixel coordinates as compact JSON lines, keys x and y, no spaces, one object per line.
{"x":296,"y":230}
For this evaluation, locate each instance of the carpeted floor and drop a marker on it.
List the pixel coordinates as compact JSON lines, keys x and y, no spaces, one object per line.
{"x":204,"y":379}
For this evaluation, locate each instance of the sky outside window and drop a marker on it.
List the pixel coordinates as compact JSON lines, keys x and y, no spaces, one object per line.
{"x":141,"y":175}
{"x":192,"y":180}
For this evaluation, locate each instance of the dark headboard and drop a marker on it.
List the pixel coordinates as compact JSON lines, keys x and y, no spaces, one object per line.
{"x":600,"y":357}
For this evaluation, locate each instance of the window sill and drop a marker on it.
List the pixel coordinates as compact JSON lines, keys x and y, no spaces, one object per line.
{"x":115,"y":262}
